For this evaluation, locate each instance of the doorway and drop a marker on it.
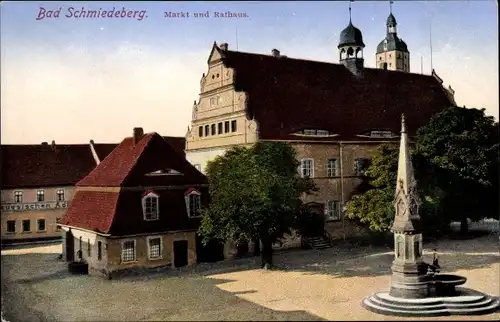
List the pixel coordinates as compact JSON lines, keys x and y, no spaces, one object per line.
{"x":70,"y":246}
{"x":180,"y":253}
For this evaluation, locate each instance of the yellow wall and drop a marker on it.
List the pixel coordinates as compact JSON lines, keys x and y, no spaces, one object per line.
{"x":12,"y":211}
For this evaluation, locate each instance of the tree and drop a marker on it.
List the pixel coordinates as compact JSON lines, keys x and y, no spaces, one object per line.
{"x":255,"y":195}
{"x":462,"y":145}
{"x":375,"y":207}
{"x":456,"y":164}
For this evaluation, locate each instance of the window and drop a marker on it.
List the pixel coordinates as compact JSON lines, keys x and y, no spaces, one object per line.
{"x":226,"y":127}
{"x":58,"y":228}
{"x":331,"y":170}
{"x":360,"y":166}
{"x":26,"y":226}
{"x":307,"y":168}
{"x":99,"y":250}
{"x":207,"y":130}
{"x":150,"y":206}
{"x":198,"y":167}
{"x":128,"y":251}
{"x":233,"y":126}
{"x":18,"y":196}
{"x":40,"y":195}
{"x":154,"y":247}
{"x":40,"y":225}
{"x":390,"y":64}
{"x":88,"y":248}
{"x":11,"y":226}
{"x":310,"y":132}
{"x":333,"y":210}
{"x":60,"y":195}
{"x":219,"y":128}
{"x":214,"y":100}
{"x":200,"y":131}
{"x":193,"y":203}
{"x":213,"y":129}
{"x":322,"y":133}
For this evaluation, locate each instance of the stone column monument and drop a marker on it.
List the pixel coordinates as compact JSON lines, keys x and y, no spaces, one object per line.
{"x":409,"y":272}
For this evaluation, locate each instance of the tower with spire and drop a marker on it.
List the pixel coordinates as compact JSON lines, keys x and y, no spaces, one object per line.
{"x":392,"y":52}
{"x":351,"y":47}
{"x":409,"y":272}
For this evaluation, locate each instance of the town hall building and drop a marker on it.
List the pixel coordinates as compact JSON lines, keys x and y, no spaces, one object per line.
{"x":334,"y":114}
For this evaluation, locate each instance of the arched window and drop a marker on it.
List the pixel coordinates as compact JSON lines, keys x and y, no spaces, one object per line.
{"x":150,"y":206}
{"x":193,"y":203}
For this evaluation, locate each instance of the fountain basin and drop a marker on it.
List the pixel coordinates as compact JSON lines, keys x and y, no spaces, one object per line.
{"x":444,"y":284}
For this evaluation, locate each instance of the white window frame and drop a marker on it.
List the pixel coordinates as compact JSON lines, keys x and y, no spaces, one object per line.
{"x":333,"y":212}
{"x":18,"y":193}
{"x":144,"y":208}
{"x":38,"y":225}
{"x":187,"y":198}
{"x":122,"y":249}
{"x":329,"y":172}
{"x":148,"y":239}
{"x":302,"y":168}
{"x":59,"y":193}
{"x":40,"y":192}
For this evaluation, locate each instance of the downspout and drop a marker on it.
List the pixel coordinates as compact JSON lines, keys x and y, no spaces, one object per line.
{"x":342,"y":190}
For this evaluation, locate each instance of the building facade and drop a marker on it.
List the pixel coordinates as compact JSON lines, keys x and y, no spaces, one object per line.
{"x":38,"y":185}
{"x":335,"y":115}
{"x":38,"y":181}
{"x":139,"y":208}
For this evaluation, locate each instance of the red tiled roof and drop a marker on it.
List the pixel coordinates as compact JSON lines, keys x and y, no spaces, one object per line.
{"x":92,"y":210}
{"x":129,"y":163}
{"x":37,"y":165}
{"x":25,"y":166}
{"x":286,"y":95}
{"x":129,"y":166}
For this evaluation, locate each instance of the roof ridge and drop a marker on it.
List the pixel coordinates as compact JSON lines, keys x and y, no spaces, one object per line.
{"x":149,"y":137}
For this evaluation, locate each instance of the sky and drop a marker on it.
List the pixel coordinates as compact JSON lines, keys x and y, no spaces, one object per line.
{"x":72,"y":79}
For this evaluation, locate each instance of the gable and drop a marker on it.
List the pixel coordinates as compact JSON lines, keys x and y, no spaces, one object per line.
{"x":215,"y":54}
{"x":137,"y":164}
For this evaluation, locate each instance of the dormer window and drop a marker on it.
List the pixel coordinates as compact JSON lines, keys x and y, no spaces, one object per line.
{"x":315,"y":132}
{"x":379,"y":134}
{"x":163,"y":172}
{"x":193,"y":203}
{"x":150,"y":206}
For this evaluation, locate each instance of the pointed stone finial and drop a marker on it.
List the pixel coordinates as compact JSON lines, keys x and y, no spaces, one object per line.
{"x":407,"y":200}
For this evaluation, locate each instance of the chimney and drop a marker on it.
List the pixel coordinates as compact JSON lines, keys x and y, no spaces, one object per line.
{"x":275,"y":52}
{"x":53,"y":145}
{"x":45,"y":143}
{"x":224,"y":46}
{"x":138,"y":134}
{"x":94,"y":152}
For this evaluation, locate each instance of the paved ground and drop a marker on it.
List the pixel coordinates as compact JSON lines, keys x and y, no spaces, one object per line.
{"x":312,"y":285}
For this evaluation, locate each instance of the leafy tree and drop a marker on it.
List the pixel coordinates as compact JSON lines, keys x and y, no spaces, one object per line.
{"x":255,"y":195}
{"x":456,"y":166}
{"x":462,"y":145}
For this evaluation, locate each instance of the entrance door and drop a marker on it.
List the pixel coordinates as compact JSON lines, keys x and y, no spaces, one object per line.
{"x":70,"y":246}
{"x":180,"y":253}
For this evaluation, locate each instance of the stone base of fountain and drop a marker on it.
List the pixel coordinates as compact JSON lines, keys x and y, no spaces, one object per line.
{"x":462,"y":302}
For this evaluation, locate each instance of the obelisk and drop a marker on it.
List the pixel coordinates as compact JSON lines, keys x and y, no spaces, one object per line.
{"x":409,"y":272}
